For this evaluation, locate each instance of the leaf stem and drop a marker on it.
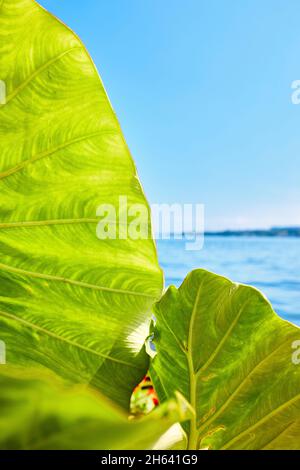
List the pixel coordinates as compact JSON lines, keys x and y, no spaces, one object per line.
{"x":193,"y":435}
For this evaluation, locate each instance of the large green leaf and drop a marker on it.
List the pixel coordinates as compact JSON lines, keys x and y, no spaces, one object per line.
{"x":68,"y":301}
{"x":224,"y":348}
{"x":43,"y":413}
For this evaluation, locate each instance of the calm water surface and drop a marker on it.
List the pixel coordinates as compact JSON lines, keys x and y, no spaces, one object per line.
{"x":270,"y":264}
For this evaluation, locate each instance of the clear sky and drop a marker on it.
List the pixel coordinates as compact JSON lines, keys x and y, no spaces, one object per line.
{"x":202,"y":89}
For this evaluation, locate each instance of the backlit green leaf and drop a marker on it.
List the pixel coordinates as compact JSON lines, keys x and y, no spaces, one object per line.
{"x":224,"y":348}
{"x":68,"y":300}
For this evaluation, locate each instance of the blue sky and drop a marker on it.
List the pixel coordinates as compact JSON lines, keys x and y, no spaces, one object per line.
{"x":202,"y":89}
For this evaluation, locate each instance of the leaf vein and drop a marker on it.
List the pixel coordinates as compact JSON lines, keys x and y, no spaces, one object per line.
{"x":61,"y":338}
{"x":221,"y":343}
{"x":51,"y":277}
{"x":281,"y":433}
{"x":262,"y":420}
{"x":240,"y":387}
{"x":47,"y":153}
{"x":31,"y":77}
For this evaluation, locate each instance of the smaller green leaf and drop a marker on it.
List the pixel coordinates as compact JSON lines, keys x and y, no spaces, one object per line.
{"x":42,"y":412}
{"x":225,"y":349}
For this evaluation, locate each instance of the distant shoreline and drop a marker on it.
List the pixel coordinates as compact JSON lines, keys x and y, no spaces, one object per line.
{"x":273,"y":232}
{"x":280,"y":232}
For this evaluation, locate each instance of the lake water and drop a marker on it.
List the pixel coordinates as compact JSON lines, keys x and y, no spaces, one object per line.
{"x":270,"y":264}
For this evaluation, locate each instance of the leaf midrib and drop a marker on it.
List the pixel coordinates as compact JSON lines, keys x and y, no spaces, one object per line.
{"x":194,"y":375}
{"x":193,"y":433}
